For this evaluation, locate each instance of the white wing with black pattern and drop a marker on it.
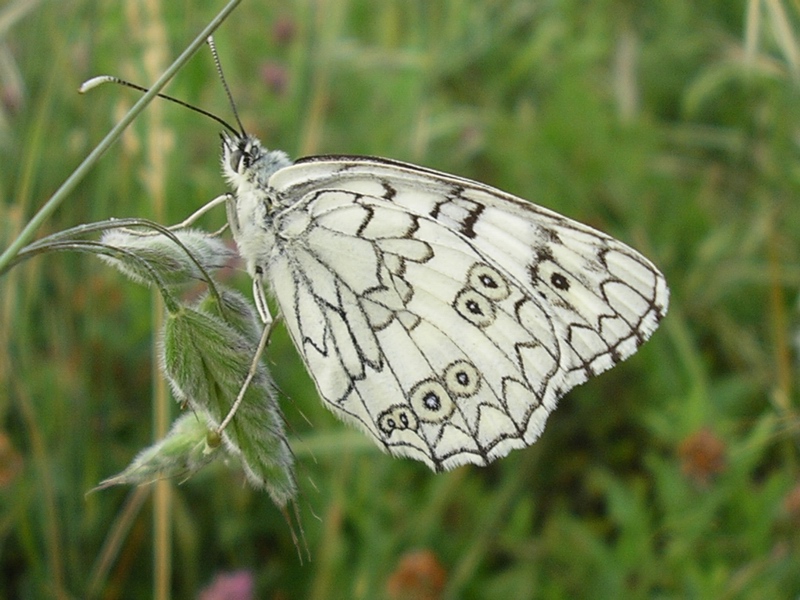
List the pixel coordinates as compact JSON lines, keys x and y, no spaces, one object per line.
{"x":442,"y":316}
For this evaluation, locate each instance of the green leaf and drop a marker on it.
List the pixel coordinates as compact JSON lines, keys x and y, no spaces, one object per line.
{"x":206,"y":360}
{"x":175,"y":263}
{"x":181,"y":453}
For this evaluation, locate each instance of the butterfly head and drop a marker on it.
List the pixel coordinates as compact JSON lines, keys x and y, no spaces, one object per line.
{"x":246,"y":163}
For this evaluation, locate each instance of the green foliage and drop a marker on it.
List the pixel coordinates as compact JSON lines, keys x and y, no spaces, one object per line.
{"x":672,"y":126}
{"x":175,"y":264}
{"x":180,"y":454}
{"x":205,"y":359}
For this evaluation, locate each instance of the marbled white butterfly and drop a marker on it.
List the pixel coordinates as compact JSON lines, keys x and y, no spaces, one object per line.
{"x":442,"y":316}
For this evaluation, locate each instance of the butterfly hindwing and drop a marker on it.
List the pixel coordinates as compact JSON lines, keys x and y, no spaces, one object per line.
{"x":442,"y":316}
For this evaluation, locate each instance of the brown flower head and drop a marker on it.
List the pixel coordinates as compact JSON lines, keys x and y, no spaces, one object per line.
{"x":419,"y":575}
{"x":702,"y":456}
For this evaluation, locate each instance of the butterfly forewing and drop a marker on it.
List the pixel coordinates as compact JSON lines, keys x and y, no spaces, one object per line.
{"x":442,"y":316}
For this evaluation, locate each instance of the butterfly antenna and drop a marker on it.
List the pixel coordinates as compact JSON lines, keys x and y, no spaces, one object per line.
{"x":96,"y":81}
{"x":213,"y":48}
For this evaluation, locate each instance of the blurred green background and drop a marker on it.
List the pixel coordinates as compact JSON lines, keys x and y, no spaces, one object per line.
{"x":672,"y":125}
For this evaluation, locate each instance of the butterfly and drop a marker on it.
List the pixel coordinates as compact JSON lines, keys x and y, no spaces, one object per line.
{"x":442,"y":316}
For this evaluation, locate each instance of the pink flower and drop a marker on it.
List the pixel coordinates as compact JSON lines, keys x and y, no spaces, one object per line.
{"x":236,"y":585}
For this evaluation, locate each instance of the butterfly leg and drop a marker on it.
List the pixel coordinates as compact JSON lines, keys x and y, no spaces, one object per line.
{"x":200,"y":212}
{"x":233,"y":219}
{"x":260,"y":298}
{"x":262,"y":344}
{"x":266,"y":317}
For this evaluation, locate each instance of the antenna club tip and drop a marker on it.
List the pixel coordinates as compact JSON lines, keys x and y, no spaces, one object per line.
{"x":94,"y":82}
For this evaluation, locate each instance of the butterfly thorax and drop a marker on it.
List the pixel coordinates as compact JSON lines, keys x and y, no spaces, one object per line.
{"x":247,"y":166}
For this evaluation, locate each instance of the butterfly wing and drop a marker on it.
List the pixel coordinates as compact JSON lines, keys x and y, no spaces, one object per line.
{"x":443,"y":316}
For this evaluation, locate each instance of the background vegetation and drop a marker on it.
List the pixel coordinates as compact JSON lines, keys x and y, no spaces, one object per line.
{"x":673,"y":125}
